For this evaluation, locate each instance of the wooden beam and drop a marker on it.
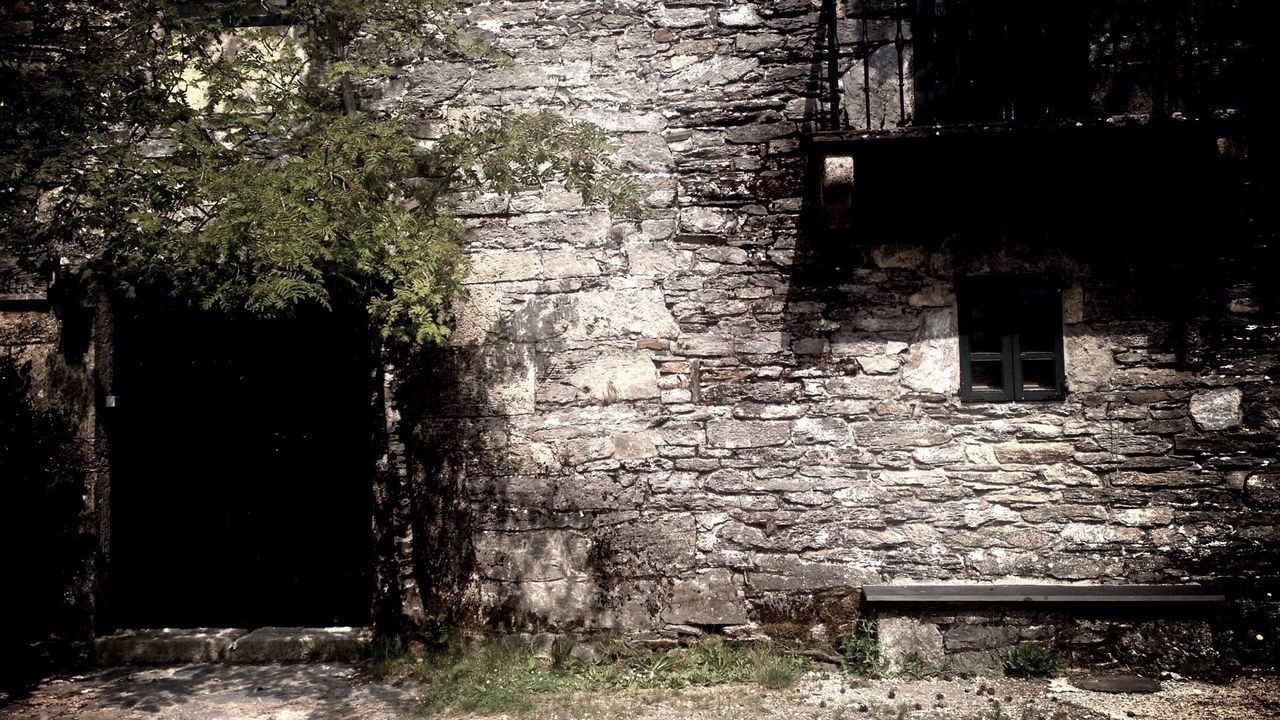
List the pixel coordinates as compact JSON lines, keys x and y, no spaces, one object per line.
{"x":1072,"y":594}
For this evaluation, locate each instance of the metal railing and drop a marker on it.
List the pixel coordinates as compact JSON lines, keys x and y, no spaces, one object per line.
{"x":886,"y":64}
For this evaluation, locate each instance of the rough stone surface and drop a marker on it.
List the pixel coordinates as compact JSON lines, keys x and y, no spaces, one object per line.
{"x":610,"y":378}
{"x":218,"y":692}
{"x":933,"y":363}
{"x":165,"y":647}
{"x":288,"y":644}
{"x":904,"y":638}
{"x":1216,"y":409}
{"x":714,"y":412}
{"x":708,"y":598}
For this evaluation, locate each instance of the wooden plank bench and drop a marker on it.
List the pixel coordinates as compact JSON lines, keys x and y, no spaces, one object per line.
{"x":1170,"y":595}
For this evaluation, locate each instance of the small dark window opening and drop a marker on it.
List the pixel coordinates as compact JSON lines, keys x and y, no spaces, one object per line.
{"x":999,"y":60}
{"x":1010,"y":339}
{"x":239,"y":13}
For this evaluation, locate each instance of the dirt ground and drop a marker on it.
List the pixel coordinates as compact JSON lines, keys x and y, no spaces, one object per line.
{"x":321,"y":692}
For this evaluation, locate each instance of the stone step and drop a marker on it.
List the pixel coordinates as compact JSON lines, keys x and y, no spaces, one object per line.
{"x":179,"y":646}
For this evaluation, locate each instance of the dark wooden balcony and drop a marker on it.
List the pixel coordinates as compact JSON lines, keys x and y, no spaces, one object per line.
{"x":889,"y":65}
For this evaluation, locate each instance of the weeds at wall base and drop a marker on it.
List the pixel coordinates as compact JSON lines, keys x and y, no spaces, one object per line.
{"x":507,"y":675}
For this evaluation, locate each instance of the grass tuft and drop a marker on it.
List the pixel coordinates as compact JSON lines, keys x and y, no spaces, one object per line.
{"x":1031,"y":661}
{"x":506,"y":675}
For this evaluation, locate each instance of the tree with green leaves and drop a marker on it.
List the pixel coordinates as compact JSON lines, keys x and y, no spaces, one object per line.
{"x":218,"y":153}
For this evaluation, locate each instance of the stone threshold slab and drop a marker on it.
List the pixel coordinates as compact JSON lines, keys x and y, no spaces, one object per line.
{"x":180,"y":646}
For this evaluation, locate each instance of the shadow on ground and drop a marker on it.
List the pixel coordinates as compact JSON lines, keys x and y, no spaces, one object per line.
{"x":207,"y":692}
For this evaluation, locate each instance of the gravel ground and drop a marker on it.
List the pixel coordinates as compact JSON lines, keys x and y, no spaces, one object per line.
{"x":215,"y":692}
{"x":321,"y":692}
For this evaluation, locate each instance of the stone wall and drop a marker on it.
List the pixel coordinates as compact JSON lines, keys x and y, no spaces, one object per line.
{"x":721,"y":416}
{"x":51,"y":533}
{"x":731,"y":413}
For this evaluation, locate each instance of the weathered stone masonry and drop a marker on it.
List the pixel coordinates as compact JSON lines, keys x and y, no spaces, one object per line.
{"x":666,"y":425}
{"x":736,"y":410}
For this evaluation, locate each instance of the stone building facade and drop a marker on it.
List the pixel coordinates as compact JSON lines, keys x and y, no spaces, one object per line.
{"x":732,"y":413}
{"x":747,"y":403}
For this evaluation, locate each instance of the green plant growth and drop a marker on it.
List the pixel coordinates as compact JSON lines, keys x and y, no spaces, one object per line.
{"x":915,"y":666}
{"x":1031,"y":661}
{"x":858,"y":650}
{"x":435,"y":630}
{"x":506,"y":675}
{"x":234,"y":167}
{"x":994,"y":711}
{"x":779,"y":671}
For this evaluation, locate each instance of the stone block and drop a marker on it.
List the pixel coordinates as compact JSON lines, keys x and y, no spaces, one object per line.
{"x":572,"y":602}
{"x":594,"y":315}
{"x":476,"y":315}
{"x":1217,"y":409}
{"x":166,"y":646}
{"x":490,"y":379}
{"x":292,"y":644}
{"x":618,"y":376}
{"x":739,"y":16}
{"x":506,"y":266}
{"x":632,"y":446}
{"x":713,"y":597}
{"x":678,"y":17}
{"x":569,"y":264}
{"x":1088,"y":359}
{"x":656,"y":259}
{"x":1169,"y":479}
{"x":1262,"y":490}
{"x":967,"y":637}
{"x":649,"y":545}
{"x":788,"y":573}
{"x":933,"y":296}
{"x":532,"y":556}
{"x":933,"y":362}
{"x":908,"y":639}
{"x":905,"y":434}
{"x":940,"y":455}
{"x":718,"y":70}
{"x":1032,"y":453}
{"x":747,"y":433}
{"x":1145,"y":517}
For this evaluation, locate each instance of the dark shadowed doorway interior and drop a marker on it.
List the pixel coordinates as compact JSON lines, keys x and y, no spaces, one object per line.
{"x":240,"y":489}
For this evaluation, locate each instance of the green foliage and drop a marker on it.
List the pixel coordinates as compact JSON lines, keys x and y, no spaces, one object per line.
{"x":506,"y":675}
{"x":858,"y":650}
{"x":234,"y":169}
{"x":384,"y":653}
{"x":1031,"y":661}
{"x":914,"y":666}
{"x":436,"y":630}
{"x":780,"y":671}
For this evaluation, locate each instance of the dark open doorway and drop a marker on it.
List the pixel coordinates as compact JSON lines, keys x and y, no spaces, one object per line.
{"x":240,"y":491}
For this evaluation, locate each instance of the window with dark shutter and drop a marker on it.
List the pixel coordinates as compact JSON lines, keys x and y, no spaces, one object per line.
{"x":1010,"y":339}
